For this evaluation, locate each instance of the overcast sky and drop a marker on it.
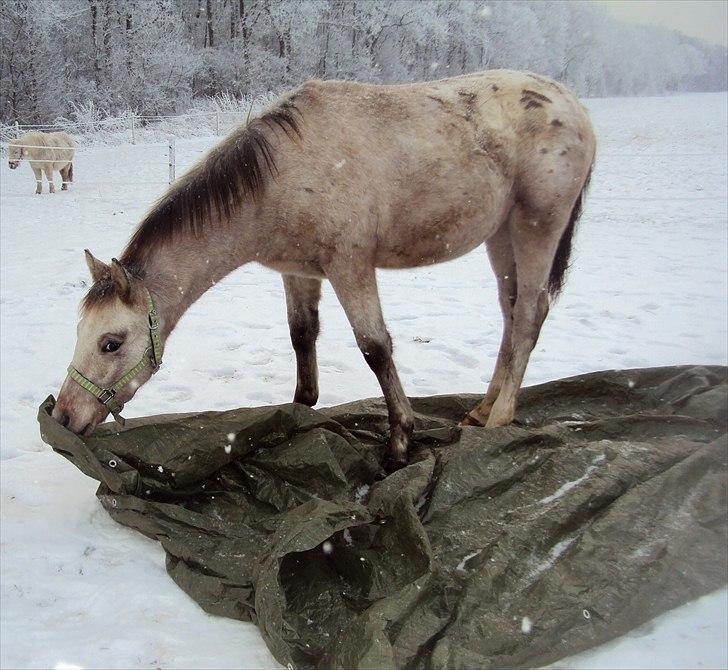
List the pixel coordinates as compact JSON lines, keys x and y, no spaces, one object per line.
{"x":706,"y":19}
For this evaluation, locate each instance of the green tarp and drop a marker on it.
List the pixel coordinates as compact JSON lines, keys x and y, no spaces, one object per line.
{"x":601,"y":507}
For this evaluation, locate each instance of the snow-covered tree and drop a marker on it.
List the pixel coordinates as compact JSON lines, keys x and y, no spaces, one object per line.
{"x":58,"y":57}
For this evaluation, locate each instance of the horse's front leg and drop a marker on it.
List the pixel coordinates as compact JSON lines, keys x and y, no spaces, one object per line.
{"x":302,"y":299}
{"x":38,"y":173}
{"x":356,"y":289}
{"x":49,"y":178}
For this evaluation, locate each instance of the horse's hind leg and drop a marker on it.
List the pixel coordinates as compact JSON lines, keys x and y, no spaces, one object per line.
{"x":535,"y":238}
{"x":356,"y":289}
{"x":302,"y":299}
{"x":65,"y":177}
{"x":500,"y":253}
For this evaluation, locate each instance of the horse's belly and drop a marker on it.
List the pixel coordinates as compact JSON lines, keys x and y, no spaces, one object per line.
{"x":410,"y":242}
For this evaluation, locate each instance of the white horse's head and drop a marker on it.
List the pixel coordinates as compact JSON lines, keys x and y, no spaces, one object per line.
{"x":113,"y":337}
{"x":15,"y":155}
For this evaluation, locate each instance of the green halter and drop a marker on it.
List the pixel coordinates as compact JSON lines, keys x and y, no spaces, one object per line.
{"x":152,"y":356}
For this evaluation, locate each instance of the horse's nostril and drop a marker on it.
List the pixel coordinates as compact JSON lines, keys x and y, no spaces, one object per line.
{"x":64,"y":419}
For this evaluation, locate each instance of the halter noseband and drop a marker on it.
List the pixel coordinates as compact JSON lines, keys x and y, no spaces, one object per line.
{"x":152,"y":356}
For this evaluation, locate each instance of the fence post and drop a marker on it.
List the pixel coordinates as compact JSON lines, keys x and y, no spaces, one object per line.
{"x":133,"y":134}
{"x":171,"y":160}
{"x":17,"y":130}
{"x":217,"y":123}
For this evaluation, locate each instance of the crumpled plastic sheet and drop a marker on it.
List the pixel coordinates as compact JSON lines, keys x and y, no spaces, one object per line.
{"x":602,"y":506}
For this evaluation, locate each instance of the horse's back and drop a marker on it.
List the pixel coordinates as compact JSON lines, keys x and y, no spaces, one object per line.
{"x":494,"y":124}
{"x":428,"y":171}
{"x":56,"y":148}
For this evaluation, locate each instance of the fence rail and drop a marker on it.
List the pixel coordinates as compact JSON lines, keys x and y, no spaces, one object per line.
{"x":166,"y":157}
{"x":129,"y":126}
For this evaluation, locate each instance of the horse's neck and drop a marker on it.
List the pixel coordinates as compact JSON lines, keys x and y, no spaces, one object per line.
{"x":178,"y":274}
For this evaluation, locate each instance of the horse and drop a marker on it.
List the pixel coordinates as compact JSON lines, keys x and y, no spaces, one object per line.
{"x":46,"y":153}
{"x":333,"y":181}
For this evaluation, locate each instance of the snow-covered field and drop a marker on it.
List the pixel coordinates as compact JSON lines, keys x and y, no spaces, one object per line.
{"x":648,"y":287}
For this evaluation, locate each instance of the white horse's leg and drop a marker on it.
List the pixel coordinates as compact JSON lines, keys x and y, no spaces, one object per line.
{"x":356,"y":289}
{"x":49,"y":177}
{"x":302,"y":299}
{"x":500,"y":253}
{"x":64,"y":177}
{"x":38,"y":173}
{"x":535,"y":238}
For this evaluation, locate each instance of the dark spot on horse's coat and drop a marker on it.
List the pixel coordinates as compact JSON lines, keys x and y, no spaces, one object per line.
{"x":581,"y":139}
{"x":535,"y":94}
{"x":557,"y":124}
{"x":544,"y":150}
{"x":307,"y":189}
{"x":469,"y":98}
{"x":437,"y":98}
{"x":494,"y":87}
{"x":563,"y":152}
{"x":530,"y":104}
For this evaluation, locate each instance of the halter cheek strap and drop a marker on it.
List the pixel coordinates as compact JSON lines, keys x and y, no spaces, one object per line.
{"x":152,"y":356}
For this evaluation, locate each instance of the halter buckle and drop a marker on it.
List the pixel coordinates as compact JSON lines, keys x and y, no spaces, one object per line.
{"x":107,"y":395}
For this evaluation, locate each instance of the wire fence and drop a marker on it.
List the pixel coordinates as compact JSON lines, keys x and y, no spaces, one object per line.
{"x":101,"y":170}
{"x":131,"y":128}
{"x":156,"y":134}
{"x":89,"y":127}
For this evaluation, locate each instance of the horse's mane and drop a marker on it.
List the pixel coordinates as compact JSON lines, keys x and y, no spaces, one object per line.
{"x":233,"y":171}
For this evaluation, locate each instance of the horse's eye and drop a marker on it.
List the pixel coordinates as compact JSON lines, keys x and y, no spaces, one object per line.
{"x":110,"y":346}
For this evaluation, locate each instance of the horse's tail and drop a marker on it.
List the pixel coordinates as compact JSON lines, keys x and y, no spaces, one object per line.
{"x":563,"y":252}
{"x":70,"y":172}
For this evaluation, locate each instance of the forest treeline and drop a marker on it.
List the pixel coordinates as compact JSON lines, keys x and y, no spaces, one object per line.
{"x":157,"y":56}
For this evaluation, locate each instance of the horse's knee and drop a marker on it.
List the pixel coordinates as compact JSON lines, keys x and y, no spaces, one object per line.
{"x":377,"y":350}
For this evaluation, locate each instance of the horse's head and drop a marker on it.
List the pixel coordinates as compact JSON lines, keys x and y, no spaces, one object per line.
{"x":116,"y":350}
{"x":15,"y":155}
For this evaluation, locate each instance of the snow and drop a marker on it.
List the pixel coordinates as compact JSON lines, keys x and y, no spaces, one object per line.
{"x":460,"y":567}
{"x":565,"y":488}
{"x":554,"y":553}
{"x":647,"y":287}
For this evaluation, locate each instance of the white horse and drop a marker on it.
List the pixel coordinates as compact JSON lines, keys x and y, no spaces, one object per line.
{"x":46,"y":153}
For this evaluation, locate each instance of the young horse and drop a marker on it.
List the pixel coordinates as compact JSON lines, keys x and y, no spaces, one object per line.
{"x":334,"y":181}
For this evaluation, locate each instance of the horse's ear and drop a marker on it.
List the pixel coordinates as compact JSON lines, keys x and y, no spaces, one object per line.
{"x":121,"y":279}
{"x":97,"y":269}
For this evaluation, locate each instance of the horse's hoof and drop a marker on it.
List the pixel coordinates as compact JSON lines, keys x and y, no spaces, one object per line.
{"x":470,"y":420}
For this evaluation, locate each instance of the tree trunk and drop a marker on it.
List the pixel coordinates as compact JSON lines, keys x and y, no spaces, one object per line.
{"x":94,"y":34}
{"x":210,"y":31}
